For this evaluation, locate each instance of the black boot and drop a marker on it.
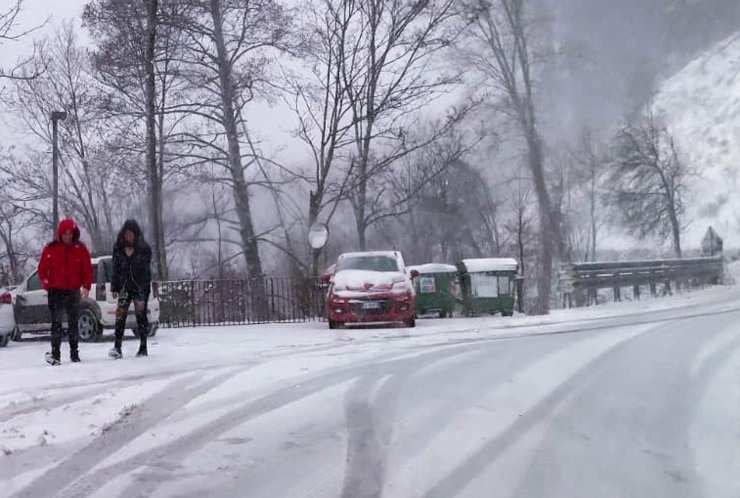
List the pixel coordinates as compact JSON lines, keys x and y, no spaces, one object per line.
{"x":54,"y":357}
{"x":74,"y":352}
{"x":143,"y":328}
{"x":116,"y":353}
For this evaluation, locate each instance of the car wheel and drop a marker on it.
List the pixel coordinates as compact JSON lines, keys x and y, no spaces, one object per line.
{"x":88,"y":325}
{"x":335,"y":325}
{"x":4,"y":340}
{"x":410,"y":323}
{"x":443,"y":314}
{"x":17,"y":334}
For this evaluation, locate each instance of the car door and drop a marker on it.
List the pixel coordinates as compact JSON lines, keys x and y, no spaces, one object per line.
{"x":32,"y":305}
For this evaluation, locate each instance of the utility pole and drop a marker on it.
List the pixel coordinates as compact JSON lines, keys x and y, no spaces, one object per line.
{"x":56,"y":116}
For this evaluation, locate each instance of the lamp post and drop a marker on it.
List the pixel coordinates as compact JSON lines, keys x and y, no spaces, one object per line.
{"x":56,"y":116}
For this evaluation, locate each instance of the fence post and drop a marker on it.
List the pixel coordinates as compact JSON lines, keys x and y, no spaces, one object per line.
{"x":192,"y":303}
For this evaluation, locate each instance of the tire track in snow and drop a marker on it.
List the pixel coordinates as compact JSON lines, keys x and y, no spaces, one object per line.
{"x":365,"y":471}
{"x":166,"y":455}
{"x":651,"y":454}
{"x":158,"y":407}
{"x":466,"y":471}
{"x":370,"y":412}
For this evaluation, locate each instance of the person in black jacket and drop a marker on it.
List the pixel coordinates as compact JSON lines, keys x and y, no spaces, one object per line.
{"x":131,"y":282}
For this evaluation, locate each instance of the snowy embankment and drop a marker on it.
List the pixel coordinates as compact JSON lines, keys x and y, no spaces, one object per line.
{"x":701,"y":105}
{"x":195,"y":376}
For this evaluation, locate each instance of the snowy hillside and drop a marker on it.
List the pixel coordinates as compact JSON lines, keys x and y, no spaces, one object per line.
{"x":702,"y":105}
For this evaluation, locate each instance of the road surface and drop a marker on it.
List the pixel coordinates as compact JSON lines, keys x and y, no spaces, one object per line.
{"x":646,"y":404}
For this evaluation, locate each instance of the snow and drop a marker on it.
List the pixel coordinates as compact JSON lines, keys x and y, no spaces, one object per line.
{"x":188,"y":399}
{"x":389,"y":254}
{"x":490,"y":264}
{"x":443,"y":451}
{"x":51,"y":426}
{"x":366,"y":280}
{"x":701,"y":104}
{"x":433,"y":268}
{"x":714,"y":448}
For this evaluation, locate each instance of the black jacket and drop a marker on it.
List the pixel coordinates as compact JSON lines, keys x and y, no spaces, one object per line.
{"x":133,"y":273}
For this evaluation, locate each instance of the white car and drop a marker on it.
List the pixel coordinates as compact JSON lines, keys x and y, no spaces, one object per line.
{"x":98,"y":312}
{"x":7,"y":322}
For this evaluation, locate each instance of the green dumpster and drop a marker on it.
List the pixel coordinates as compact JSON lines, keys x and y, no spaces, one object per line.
{"x":488,"y":285}
{"x":436,"y":289}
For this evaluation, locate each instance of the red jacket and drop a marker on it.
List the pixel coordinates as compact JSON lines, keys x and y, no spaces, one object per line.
{"x":66,"y":267}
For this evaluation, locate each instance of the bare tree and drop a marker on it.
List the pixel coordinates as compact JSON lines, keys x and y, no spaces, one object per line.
{"x":150,"y":111}
{"x":649,"y":180}
{"x":322,"y":108}
{"x":10,"y":32}
{"x":455,"y":217}
{"x":389,"y":74}
{"x":593,"y":163}
{"x":519,"y":225}
{"x":67,"y":85}
{"x":136,"y":59}
{"x":226,"y":64}
{"x":16,"y":224}
{"x":500,"y":48}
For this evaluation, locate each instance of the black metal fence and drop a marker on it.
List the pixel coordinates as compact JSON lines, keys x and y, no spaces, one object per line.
{"x":187,"y":303}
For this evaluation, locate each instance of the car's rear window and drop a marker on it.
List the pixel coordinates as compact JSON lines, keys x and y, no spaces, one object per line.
{"x":372,"y":263}
{"x":34,"y":283}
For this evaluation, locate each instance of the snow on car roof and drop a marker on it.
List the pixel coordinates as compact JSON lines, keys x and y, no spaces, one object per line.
{"x":434,"y":268}
{"x":490,"y":264}
{"x":390,"y":254}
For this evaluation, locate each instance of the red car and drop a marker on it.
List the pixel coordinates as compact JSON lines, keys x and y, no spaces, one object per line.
{"x":370,"y":288}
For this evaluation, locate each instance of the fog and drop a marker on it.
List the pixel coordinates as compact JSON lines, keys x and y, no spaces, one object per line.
{"x":613,"y":54}
{"x":599,"y":63}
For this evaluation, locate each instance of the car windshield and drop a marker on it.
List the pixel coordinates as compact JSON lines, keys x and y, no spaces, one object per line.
{"x":372,"y":263}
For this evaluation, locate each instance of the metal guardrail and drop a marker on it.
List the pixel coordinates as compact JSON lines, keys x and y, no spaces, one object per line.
{"x":188,"y":303}
{"x":580,"y":282}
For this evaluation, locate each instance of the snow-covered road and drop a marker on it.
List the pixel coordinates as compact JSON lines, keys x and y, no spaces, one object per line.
{"x":636,"y":399}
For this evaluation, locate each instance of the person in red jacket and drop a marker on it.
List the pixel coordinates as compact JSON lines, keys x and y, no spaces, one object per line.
{"x":64,"y":269}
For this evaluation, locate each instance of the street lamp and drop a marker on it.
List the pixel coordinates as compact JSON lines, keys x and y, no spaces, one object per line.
{"x":55,"y":117}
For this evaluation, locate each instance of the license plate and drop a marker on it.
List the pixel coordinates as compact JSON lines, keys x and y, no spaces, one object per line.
{"x":371,"y":306}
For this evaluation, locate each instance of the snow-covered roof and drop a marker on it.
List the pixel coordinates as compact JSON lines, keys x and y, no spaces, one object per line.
{"x":433,"y":268}
{"x":490,"y":264}
{"x":390,"y":254}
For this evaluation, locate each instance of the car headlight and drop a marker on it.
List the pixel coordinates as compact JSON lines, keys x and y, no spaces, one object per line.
{"x":401,"y":286}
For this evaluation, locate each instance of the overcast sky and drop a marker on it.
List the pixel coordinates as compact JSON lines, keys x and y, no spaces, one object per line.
{"x":36,"y":12}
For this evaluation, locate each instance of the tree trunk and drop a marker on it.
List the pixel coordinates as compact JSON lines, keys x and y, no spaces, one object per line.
{"x":236,"y":168}
{"x":550,"y":239}
{"x":360,"y":206}
{"x":314,"y":206}
{"x":154,"y":181}
{"x":158,"y":226}
{"x":676,"y":231}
